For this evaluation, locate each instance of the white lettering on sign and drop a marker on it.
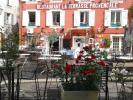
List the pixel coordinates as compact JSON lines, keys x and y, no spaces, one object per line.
{"x":76,"y":6}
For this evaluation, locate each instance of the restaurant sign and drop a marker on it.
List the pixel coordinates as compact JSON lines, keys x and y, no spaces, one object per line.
{"x":76,"y":5}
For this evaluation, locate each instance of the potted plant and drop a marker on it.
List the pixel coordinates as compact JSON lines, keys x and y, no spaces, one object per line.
{"x":81,"y":81}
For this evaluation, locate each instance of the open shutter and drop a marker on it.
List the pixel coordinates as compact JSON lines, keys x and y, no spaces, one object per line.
{"x":124,"y":18}
{"x":62,"y":18}
{"x":49,"y":18}
{"x":37,"y":18}
{"x":91,"y":18}
{"x":107,"y":18}
{"x":76,"y":18}
{"x":25,"y":19}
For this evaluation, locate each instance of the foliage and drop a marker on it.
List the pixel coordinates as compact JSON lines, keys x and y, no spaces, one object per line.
{"x":106,"y":43}
{"x":53,"y":38}
{"x":119,"y":75}
{"x":85,"y":74}
{"x":11,"y":46}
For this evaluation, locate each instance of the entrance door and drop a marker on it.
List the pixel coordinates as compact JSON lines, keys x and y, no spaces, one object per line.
{"x":77,"y":40}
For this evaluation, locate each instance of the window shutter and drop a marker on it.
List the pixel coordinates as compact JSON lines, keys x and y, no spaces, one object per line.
{"x":124,"y":18}
{"x":5,"y":18}
{"x":107,"y":18}
{"x":62,"y":18}
{"x":12,"y":19}
{"x":91,"y":18}
{"x":49,"y":18}
{"x":25,"y":19}
{"x":76,"y":18}
{"x":37,"y":18}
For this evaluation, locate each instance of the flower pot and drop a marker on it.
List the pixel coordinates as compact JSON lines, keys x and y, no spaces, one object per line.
{"x":79,"y":95}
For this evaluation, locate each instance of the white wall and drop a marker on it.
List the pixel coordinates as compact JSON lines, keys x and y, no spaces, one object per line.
{"x":12,"y":8}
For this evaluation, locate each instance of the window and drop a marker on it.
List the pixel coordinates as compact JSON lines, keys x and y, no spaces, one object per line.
{"x":116,"y":44}
{"x":115,"y":18}
{"x":31,"y":18}
{"x":84,"y":19}
{"x":8,"y":18}
{"x":56,"y":18}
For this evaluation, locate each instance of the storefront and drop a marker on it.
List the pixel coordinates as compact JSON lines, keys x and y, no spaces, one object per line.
{"x":77,"y":18}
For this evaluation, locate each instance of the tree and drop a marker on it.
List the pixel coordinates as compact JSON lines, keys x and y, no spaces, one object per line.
{"x":10,"y":44}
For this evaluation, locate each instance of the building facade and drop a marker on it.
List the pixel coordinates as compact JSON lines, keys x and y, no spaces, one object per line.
{"x":8,"y":16}
{"x":84,"y":21}
{"x":9,"y":13}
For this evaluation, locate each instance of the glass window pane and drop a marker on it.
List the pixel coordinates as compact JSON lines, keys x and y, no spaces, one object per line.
{"x":56,"y":18}
{"x":31,"y":18}
{"x":118,"y":17}
{"x":112,"y":17}
{"x":84,"y":17}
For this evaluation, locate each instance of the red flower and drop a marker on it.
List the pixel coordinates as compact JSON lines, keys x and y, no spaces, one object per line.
{"x":68,"y":68}
{"x":81,"y":52}
{"x":88,"y":59}
{"x":93,"y":56}
{"x":89,"y":72}
{"x":79,"y":57}
{"x":89,"y":47}
{"x":101,"y":63}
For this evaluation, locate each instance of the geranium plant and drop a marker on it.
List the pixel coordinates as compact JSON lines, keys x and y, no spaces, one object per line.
{"x":85,"y":74}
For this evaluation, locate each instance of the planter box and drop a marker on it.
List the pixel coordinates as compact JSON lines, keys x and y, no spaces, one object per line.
{"x":79,"y":95}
